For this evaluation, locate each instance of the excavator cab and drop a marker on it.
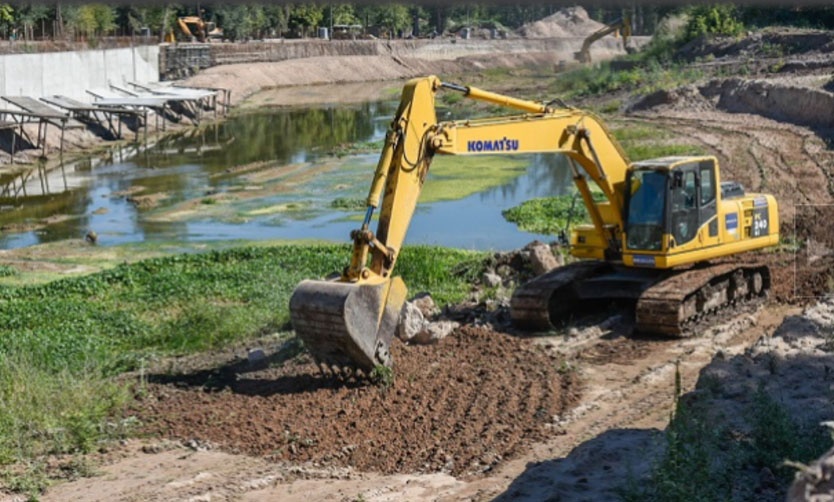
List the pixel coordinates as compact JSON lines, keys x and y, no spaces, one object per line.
{"x":673,"y":199}
{"x":676,"y":211}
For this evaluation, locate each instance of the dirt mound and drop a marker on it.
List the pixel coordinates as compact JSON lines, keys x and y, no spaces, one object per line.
{"x":459,"y":406}
{"x":774,"y":43}
{"x":805,"y":274}
{"x":798,"y":105}
{"x":567,"y":22}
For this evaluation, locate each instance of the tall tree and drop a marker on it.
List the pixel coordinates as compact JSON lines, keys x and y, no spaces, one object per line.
{"x":30,"y":16}
{"x":6,"y":18}
{"x":394,"y":17}
{"x":305,"y":17}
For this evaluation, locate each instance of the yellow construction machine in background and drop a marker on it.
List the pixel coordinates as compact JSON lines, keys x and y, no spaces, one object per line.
{"x":195,"y":29}
{"x":650,"y":241}
{"x":621,"y":27}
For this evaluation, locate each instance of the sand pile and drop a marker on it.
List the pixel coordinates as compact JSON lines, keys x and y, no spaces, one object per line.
{"x":568,"y":22}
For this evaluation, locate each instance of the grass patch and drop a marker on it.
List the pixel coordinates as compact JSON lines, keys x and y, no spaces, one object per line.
{"x":7,"y":271}
{"x":706,"y":459}
{"x":62,"y":342}
{"x":652,"y":151}
{"x":457,"y":177}
{"x":349,"y":204}
{"x":550,"y":215}
{"x":651,"y":69}
{"x":643,"y":141}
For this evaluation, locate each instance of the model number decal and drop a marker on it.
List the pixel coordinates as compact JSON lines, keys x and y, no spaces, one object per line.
{"x":760,"y":222}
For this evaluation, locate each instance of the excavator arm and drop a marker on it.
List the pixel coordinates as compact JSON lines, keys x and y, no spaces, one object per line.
{"x":621,"y":26}
{"x":349,"y":322}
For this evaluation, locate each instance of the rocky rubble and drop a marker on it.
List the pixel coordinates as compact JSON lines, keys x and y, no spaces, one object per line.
{"x":422,"y":322}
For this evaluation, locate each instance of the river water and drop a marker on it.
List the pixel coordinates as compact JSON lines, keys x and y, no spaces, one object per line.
{"x":248,"y":156}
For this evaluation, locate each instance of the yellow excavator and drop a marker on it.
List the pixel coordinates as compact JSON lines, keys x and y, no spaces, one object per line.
{"x":656,"y":240}
{"x":620,"y":27}
{"x":195,"y":29}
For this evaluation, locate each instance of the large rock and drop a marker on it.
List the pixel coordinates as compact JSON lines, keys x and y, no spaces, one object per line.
{"x":541,"y":258}
{"x":415,"y":328}
{"x":492,"y":280}
{"x":425,"y":303}
{"x":411,"y":323}
{"x":434,"y":332}
{"x":814,"y":483}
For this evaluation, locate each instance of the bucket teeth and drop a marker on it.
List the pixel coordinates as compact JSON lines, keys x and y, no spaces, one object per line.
{"x":342,"y":373}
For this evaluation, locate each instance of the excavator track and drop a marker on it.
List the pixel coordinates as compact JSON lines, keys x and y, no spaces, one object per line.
{"x":677,"y":304}
{"x":540,"y":303}
{"x":687,"y":302}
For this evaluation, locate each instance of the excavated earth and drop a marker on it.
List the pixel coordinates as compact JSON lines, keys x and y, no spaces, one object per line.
{"x":459,"y":406}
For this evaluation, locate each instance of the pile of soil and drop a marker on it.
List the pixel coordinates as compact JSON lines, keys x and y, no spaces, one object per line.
{"x":460,"y":406}
{"x":805,"y":273}
{"x":783,"y":100}
{"x":567,"y":22}
{"x":770,"y":43}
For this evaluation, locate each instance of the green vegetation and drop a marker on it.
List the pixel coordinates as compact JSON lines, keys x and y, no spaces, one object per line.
{"x":452,"y":178}
{"x":603,"y":78}
{"x":645,"y":141}
{"x":383,"y":376}
{"x":550,"y":215}
{"x":349,"y":204}
{"x":709,"y":20}
{"x":706,"y":459}
{"x":62,"y":342}
{"x":278,"y":208}
{"x":356,"y":148}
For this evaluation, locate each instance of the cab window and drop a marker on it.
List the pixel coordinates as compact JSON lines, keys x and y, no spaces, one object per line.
{"x":707,"y":186}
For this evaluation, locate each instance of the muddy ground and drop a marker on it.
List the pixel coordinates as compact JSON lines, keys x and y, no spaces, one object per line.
{"x":486,"y":415}
{"x":459,"y":407}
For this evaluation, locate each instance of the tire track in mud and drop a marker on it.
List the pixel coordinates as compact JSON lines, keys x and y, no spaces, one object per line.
{"x":460,"y":407}
{"x":624,"y":393}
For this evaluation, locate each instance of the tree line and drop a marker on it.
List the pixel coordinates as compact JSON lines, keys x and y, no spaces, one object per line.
{"x":73,"y":21}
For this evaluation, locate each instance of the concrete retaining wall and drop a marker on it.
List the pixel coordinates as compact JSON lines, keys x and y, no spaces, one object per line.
{"x":438,"y":49}
{"x":72,"y":73}
{"x":181,"y":60}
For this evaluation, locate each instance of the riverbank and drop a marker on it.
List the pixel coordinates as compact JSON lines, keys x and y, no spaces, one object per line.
{"x":629,"y":386}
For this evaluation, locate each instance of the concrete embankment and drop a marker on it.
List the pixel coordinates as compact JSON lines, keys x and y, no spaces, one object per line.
{"x":71,"y":73}
{"x":183,"y":59}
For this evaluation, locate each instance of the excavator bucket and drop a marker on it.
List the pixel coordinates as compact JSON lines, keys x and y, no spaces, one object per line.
{"x":348,"y":325}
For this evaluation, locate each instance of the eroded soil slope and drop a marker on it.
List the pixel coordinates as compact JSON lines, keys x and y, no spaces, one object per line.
{"x":460,"y":406}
